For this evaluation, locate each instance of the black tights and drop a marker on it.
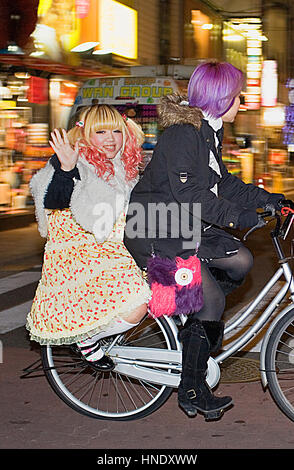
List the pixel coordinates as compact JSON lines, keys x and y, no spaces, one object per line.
{"x":236,"y":267}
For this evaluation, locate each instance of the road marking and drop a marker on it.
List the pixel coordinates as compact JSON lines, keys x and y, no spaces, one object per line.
{"x":18,"y":280}
{"x":15,"y":317}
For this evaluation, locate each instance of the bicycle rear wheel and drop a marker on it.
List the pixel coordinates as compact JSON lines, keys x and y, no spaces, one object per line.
{"x":132,"y":390}
{"x":279,"y":364}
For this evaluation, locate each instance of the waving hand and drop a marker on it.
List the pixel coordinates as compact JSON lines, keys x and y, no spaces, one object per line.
{"x":66,"y":154}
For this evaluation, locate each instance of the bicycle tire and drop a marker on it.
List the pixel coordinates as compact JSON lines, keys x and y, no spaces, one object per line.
{"x":63,"y":369}
{"x":279,"y":364}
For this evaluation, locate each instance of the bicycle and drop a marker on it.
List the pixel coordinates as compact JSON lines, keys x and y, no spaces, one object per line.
{"x":148,"y":357}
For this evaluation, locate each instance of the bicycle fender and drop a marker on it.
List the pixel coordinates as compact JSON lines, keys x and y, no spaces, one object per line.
{"x":174,"y":330}
{"x":266,"y":340}
{"x":213,"y":369}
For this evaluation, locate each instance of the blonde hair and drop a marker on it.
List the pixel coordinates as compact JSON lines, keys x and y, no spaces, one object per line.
{"x":106,"y":117}
{"x":102,"y":116}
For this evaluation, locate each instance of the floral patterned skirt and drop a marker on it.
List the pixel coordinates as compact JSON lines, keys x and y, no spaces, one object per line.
{"x":84,"y":285}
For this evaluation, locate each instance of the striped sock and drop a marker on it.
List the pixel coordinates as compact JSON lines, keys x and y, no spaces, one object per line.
{"x":91,"y":350}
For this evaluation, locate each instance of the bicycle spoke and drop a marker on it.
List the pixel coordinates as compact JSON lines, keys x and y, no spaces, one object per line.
{"x":99,"y":395}
{"x":76,"y":377}
{"x":93,"y":388}
{"x":84,"y":384}
{"x":150,"y":385}
{"x":132,"y":386}
{"x":127,"y":389}
{"x":118,"y":394}
{"x":286,"y":390}
{"x":144,"y":338}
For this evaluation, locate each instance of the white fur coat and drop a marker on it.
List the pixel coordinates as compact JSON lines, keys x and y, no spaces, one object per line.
{"x":95,"y":204}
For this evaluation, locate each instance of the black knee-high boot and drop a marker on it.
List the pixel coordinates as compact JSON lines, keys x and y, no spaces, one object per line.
{"x":199,"y":339}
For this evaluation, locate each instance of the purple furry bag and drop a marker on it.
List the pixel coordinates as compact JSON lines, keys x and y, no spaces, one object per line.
{"x":176,"y":286}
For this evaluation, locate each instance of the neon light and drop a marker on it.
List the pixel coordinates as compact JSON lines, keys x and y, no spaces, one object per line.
{"x":269,"y":83}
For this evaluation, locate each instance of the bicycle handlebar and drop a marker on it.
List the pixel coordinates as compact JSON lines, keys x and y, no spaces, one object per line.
{"x":286,"y":209}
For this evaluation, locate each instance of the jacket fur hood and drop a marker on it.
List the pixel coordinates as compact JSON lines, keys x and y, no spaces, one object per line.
{"x":171,"y":112}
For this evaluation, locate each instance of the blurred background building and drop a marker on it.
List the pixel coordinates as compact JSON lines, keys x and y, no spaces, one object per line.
{"x":58,"y":55}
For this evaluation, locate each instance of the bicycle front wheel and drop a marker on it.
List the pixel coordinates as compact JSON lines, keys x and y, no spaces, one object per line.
{"x":132,"y":390}
{"x":279,"y":364}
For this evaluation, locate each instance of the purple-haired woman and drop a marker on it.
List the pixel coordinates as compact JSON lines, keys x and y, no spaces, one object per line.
{"x":187,"y":168}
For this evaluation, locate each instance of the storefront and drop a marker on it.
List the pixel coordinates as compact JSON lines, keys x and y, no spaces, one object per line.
{"x":30,"y":107}
{"x":39,"y":81}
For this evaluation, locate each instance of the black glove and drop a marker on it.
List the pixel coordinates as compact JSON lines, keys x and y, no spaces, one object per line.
{"x":275,"y":199}
{"x":247,"y":218}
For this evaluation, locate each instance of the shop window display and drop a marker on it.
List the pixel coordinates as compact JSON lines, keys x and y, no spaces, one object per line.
{"x":23,"y":150}
{"x":13,"y":174}
{"x":26,"y":109}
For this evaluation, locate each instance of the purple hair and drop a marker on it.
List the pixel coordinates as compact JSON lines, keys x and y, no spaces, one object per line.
{"x":213,"y":87}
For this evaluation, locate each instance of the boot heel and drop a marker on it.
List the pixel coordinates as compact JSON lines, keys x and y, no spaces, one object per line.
{"x":216,"y":414}
{"x":213,"y":415}
{"x":188,"y":408}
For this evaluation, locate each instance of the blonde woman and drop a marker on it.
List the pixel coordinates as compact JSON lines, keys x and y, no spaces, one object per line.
{"x":90,"y":285}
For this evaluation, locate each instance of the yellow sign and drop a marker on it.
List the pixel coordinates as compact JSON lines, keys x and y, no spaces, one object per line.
{"x":7,"y":104}
{"x":117,"y":29}
{"x":124,"y":90}
{"x":142,"y":90}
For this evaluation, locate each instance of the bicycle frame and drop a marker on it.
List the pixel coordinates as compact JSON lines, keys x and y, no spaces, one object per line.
{"x":258,"y":325}
{"x":285,"y":270}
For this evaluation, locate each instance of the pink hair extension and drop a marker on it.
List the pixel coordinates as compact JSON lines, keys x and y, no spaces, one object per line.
{"x":99,"y":160}
{"x":131,"y":158}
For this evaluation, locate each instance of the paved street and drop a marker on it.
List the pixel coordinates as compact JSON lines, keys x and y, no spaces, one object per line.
{"x":33,"y":417}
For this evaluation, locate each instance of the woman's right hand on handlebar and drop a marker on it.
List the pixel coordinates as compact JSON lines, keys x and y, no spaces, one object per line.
{"x":286,"y":203}
{"x":247,"y":218}
{"x":276,"y":199}
{"x":67,"y":155}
